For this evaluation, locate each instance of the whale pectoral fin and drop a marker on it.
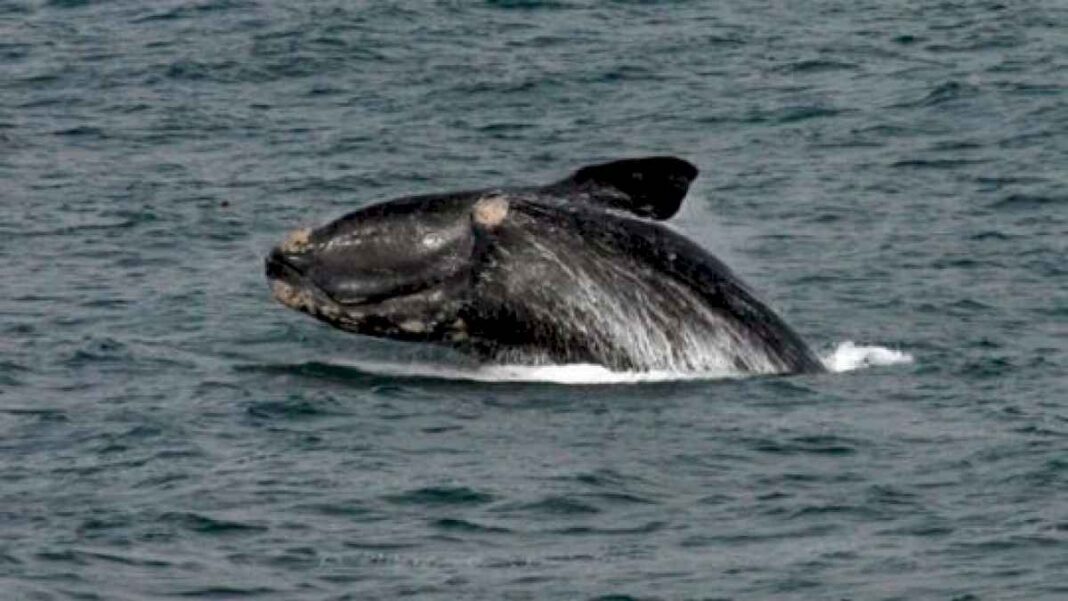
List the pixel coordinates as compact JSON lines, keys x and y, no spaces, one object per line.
{"x":650,"y":187}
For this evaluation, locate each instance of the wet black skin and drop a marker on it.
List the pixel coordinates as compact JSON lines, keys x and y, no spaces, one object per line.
{"x":559,"y":276}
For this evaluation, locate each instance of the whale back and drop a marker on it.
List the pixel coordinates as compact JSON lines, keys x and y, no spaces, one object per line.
{"x":570,"y":284}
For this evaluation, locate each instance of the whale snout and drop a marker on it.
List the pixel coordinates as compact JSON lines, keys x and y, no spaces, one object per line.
{"x":292,"y":260}
{"x":295,"y":254}
{"x":286,"y":268}
{"x":280,"y":265}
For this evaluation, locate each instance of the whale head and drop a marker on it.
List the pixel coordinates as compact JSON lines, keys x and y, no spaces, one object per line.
{"x":396,"y":270}
{"x":413,"y":268}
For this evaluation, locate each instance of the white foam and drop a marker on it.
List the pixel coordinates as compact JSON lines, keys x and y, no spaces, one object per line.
{"x":578,"y":373}
{"x":848,"y":356}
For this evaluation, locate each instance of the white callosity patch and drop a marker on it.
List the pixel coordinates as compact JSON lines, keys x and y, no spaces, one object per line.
{"x":414,"y":326}
{"x":433,"y":241}
{"x":302,"y":300}
{"x":297,"y":241}
{"x":490,"y":211}
{"x":291,"y":296}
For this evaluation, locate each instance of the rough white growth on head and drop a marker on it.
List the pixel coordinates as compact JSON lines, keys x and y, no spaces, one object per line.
{"x":490,"y":211}
{"x":302,"y":300}
{"x":297,"y":241}
{"x":291,"y":296}
{"x":433,"y":241}
{"x":413,"y":325}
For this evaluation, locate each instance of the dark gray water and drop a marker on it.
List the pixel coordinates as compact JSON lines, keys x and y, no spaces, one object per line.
{"x":892,"y":173}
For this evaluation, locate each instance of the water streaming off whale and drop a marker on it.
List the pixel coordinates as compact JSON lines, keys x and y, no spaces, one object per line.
{"x":618,"y":304}
{"x":846,"y":357}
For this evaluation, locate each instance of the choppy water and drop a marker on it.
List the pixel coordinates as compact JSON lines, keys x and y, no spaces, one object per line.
{"x":889,"y":173}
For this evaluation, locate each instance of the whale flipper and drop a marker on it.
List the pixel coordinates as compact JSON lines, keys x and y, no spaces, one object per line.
{"x":650,"y":187}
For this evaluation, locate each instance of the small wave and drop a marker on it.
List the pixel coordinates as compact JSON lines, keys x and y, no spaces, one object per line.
{"x":1028,"y":201}
{"x":441,"y":495}
{"x":848,"y":356}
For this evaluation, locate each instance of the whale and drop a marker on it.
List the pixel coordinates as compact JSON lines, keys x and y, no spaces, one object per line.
{"x":581,"y":270}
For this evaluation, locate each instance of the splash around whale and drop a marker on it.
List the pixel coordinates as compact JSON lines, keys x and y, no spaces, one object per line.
{"x":577,"y":271}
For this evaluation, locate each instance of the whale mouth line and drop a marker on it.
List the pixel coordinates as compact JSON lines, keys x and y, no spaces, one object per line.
{"x":278,"y":267}
{"x":292,"y":287}
{"x":291,"y":278}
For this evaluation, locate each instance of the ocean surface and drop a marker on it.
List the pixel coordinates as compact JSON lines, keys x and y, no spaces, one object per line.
{"x":892,"y":177}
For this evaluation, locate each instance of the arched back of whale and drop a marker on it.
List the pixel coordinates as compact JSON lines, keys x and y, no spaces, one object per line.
{"x":627,"y":293}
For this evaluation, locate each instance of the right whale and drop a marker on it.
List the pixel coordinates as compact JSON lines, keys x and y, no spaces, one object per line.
{"x":579,"y":271}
